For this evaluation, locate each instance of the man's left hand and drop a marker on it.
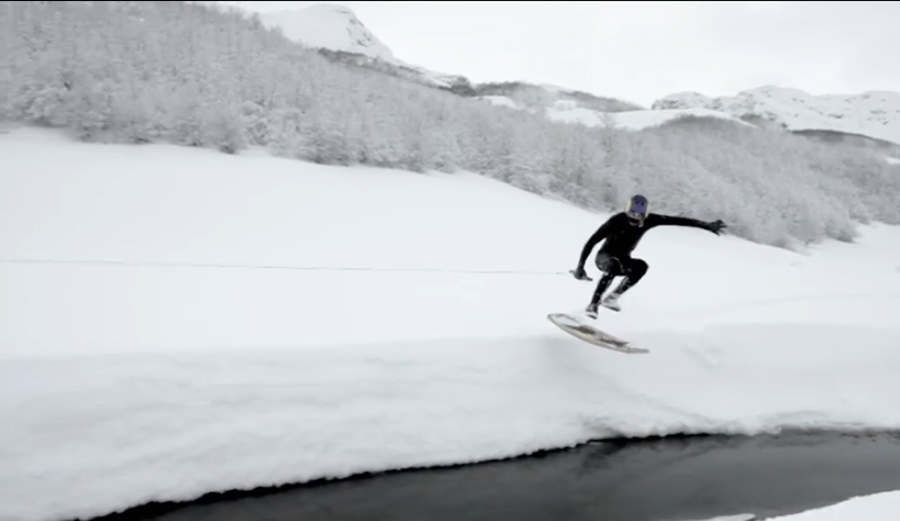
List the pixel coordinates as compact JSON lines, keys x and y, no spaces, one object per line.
{"x":716,"y":226}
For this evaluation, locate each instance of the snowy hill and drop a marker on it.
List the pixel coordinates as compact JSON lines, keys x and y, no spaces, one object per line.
{"x":264,"y":91}
{"x":244,"y":321}
{"x":875,"y":115}
{"x":210,"y":312}
{"x":337,"y":32}
{"x":557,"y":106}
{"x":551,"y":100}
{"x":328,"y":26}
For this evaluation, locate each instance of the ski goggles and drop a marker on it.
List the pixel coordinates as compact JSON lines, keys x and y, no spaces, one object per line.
{"x":635,"y":216}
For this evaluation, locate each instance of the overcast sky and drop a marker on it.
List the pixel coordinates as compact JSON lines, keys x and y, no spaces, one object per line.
{"x":641,"y":51}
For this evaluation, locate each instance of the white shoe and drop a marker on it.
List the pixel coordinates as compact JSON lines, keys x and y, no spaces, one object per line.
{"x":611,"y":301}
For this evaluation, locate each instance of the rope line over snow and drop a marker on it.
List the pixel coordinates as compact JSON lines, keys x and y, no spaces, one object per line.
{"x":162,"y":264}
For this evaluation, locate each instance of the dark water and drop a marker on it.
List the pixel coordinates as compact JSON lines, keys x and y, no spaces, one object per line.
{"x":665,"y":480}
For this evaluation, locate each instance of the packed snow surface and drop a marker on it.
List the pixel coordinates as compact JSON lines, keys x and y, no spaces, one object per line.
{"x":177,"y":321}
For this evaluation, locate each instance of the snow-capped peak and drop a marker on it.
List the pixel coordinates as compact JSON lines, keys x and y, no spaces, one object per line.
{"x":329,"y":26}
{"x":873,"y":114}
{"x":335,"y":27}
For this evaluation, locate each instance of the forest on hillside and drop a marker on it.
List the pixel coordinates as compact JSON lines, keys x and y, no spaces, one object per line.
{"x":202,"y":76}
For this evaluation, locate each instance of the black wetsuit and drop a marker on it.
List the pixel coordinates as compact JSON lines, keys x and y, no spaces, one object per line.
{"x":622,"y":235}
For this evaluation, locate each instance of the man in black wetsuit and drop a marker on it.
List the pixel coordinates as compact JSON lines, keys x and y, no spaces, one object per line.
{"x":622,"y":232}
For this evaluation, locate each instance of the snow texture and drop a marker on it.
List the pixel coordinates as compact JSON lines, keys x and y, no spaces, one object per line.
{"x":883,"y":506}
{"x":873,"y":114}
{"x":176,"y":321}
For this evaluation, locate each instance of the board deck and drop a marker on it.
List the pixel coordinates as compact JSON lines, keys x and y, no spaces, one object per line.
{"x":593,"y":335}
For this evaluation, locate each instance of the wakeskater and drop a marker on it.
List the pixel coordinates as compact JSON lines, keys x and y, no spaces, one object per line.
{"x":622,"y":232}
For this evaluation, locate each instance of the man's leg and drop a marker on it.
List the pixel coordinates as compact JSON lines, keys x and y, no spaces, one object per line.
{"x":611,"y":268}
{"x":634,"y":269}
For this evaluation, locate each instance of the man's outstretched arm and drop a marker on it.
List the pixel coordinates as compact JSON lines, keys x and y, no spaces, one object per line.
{"x":674,"y":220}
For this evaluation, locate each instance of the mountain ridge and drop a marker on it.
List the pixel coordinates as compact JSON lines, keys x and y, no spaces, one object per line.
{"x":874,"y":114}
{"x":868,"y":119}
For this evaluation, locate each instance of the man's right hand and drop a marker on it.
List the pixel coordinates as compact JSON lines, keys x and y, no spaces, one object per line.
{"x":579,"y":273}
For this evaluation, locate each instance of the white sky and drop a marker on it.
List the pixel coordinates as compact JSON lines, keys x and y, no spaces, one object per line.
{"x":641,"y":51}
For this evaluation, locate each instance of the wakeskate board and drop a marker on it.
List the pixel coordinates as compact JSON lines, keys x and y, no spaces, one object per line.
{"x":592,"y":335}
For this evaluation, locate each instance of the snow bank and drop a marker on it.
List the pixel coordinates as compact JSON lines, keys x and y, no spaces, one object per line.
{"x":737,"y":517}
{"x":177,"y":321}
{"x":874,"y":507}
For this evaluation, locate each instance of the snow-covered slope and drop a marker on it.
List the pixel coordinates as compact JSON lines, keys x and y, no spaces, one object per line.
{"x":569,"y":110}
{"x":871,"y":114}
{"x":328,"y":26}
{"x":243,"y":321}
{"x":336,"y":28}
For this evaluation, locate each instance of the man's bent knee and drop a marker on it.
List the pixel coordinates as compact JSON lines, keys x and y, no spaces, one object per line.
{"x":609,"y":264}
{"x":637,"y":268}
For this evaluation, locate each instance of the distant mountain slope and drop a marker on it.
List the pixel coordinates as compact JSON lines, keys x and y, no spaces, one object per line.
{"x":329,"y":26}
{"x":336,"y":31}
{"x":875,"y":115}
{"x":338,"y":34}
{"x":572,"y":111}
{"x":869,"y":119}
